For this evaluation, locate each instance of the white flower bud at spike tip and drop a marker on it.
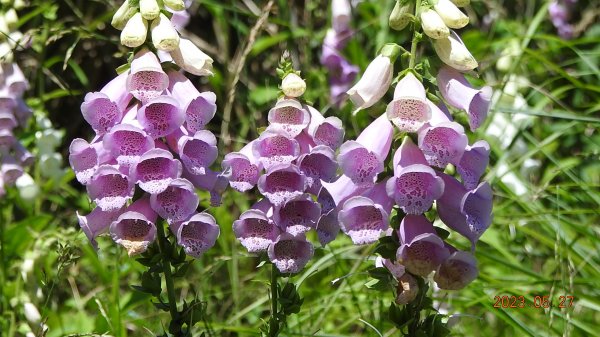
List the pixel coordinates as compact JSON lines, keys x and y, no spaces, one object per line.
{"x":6,"y":54}
{"x":164,"y":35}
{"x":433,"y":25}
{"x":454,"y":53}
{"x":149,"y":9}
{"x":4,"y":31}
{"x":28,"y":190}
{"x":401,"y":14}
{"x":177,"y":5}
{"x":191,"y":59}
{"x":461,"y":3}
{"x":293,"y":85}
{"x":134,"y":33}
{"x":450,"y":14}
{"x":122,"y":15}
{"x":11,"y":18}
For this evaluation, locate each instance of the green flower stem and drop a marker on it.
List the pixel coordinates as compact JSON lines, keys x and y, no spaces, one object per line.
{"x":162,"y":245}
{"x":274,"y":321}
{"x":415,"y":39}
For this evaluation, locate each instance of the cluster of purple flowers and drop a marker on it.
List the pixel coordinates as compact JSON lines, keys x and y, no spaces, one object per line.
{"x":341,"y":72}
{"x":418,"y":182}
{"x":290,"y":162}
{"x":560,"y":12}
{"x":13,"y":113}
{"x":150,"y":139}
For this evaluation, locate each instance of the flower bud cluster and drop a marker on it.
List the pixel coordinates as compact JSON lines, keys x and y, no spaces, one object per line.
{"x":163,"y":19}
{"x":11,"y":38}
{"x":151,"y":149}
{"x":290,"y":162}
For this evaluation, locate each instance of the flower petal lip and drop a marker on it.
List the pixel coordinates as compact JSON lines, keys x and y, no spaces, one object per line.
{"x":146,"y":79}
{"x":281,"y":183}
{"x":177,"y":202}
{"x":290,"y":253}
{"x":197,"y":234}
{"x":109,"y":188}
{"x":288,"y":116}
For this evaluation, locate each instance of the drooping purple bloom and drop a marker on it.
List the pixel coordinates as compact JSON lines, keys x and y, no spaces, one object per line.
{"x":288,"y":116}
{"x":473,"y":163}
{"x":214,"y":182}
{"x":198,"y":152}
{"x":135,"y":228}
{"x":199,"y":108}
{"x":197,"y":234}
{"x":297,"y":215}
{"x":10,"y":169}
{"x":146,"y":79}
{"x":362,"y":160}
{"x":415,"y":185}
{"x":127,"y":142}
{"x":243,"y":168}
{"x":469,"y":212}
{"x":459,"y":93}
{"x":328,"y":227}
{"x":14,"y":79}
{"x":290,"y":253}
{"x":83,"y":158}
{"x":364,"y":218}
{"x":409,"y":109}
{"x":160,"y":116}
{"x":325,"y":131}
{"x":103,"y":109}
{"x":177,"y":202}
{"x":442,"y":142}
{"x":457,"y":271}
{"x":318,"y":165}
{"x":96,"y":222}
{"x":155,"y":170}
{"x":282,"y":183}
{"x":109,"y":188}
{"x":421,"y":250}
{"x":7,"y":121}
{"x":274,"y":147}
{"x":254,"y":229}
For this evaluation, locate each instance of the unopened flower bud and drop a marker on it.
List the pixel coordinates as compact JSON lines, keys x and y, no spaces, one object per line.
{"x":293,"y":85}
{"x":6,"y":54}
{"x":433,"y":25}
{"x":191,"y":59}
{"x":177,"y":5}
{"x":454,"y":53}
{"x":3,"y":28}
{"x":164,"y":35}
{"x":374,"y":83}
{"x":149,"y":9}
{"x":32,"y":314}
{"x":28,"y":190}
{"x":408,"y":288}
{"x":11,"y":18}
{"x":400,"y":17}
{"x":122,"y":15}
{"x":134,"y":33}
{"x":461,"y":3}
{"x":450,"y":14}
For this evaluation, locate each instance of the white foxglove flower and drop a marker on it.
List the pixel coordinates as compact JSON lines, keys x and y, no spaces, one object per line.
{"x":134,"y":32}
{"x":164,"y":35}
{"x":191,"y":59}
{"x":293,"y":85}
{"x":149,"y":9}
{"x":28,"y":189}
{"x":376,"y":80}
{"x":122,"y":15}
{"x":3,"y":28}
{"x":177,"y":5}
{"x":32,"y":314}
{"x":454,"y":53}
{"x":433,"y":25}
{"x":450,"y":14}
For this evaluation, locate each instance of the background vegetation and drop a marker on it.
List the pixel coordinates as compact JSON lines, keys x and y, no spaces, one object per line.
{"x":545,"y":171}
